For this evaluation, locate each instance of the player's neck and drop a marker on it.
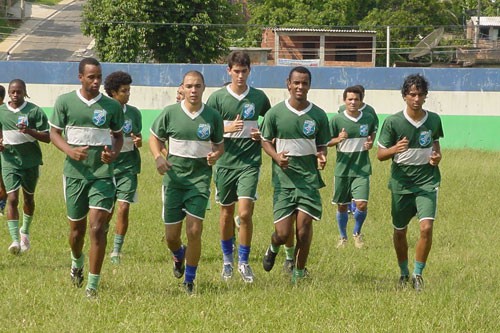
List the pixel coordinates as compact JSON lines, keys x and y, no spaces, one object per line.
{"x":88,"y":96}
{"x":415,"y":114}
{"x":298,"y":105}
{"x":354,"y":113}
{"x":238,"y":90}
{"x":192,"y":108}
{"x":16,"y":105}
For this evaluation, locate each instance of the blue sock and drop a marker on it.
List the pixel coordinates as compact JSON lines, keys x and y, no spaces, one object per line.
{"x":419,"y":267}
{"x":403,"y":266}
{"x":227,"y":250}
{"x":179,"y":254}
{"x":342,"y":219}
{"x":243,"y":253}
{"x":190,"y":274}
{"x":359,"y":219}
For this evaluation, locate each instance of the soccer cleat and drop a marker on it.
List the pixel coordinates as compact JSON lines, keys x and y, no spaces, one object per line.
{"x":179,"y":265}
{"x":91,"y":293}
{"x":15,"y":248}
{"x":246,"y":273}
{"x":403,"y":281}
{"x":227,"y":272}
{"x":358,"y":241}
{"x":417,"y":282}
{"x":115,"y":258}
{"x":288,"y":266}
{"x":342,"y":243}
{"x":268,"y":260}
{"x":25,"y":242}
{"x":189,"y":288}
{"x":77,"y":276}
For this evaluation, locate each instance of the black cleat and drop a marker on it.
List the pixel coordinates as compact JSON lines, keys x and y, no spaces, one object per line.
{"x":268,"y":260}
{"x":77,"y":276}
{"x":418,"y":282}
{"x":189,"y":288}
{"x":403,"y":281}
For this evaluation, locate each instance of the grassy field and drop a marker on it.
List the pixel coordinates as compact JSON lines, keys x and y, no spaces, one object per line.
{"x":349,"y":290}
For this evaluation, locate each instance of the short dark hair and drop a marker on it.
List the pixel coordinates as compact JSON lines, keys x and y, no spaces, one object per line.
{"x":302,"y":70}
{"x":238,"y":58}
{"x":2,"y":92}
{"x":355,"y":90}
{"x":417,"y":80}
{"x":362,"y":90}
{"x":22,"y":83}
{"x":193,"y":73}
{"x":115,"y":80}
{"x":87,"y":61}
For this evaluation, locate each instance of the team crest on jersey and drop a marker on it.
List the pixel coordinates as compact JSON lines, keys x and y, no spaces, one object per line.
{"x":425,"y":138}
{"x":203,"y":131}
{"x":22,"y":120}
{"x":99,"y":117}
{"x":248,"y":110}
{"x":309,"y":127}
{"x":363,"y":130}
{"x":127,"y":126}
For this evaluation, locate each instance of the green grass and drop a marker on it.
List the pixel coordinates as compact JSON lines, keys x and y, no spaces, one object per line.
{"x":348,"y":291}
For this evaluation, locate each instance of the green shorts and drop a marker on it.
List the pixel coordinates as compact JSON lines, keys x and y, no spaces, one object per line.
{"x":126,"y":187}
{"x":177,"y":202}
{"x":406,"y":206}
{"x":25,"y":178}
{"x":234,"y":184}
{"x":286,"y":201}
{"x":350,"y":188}
{"x":82,"y":194}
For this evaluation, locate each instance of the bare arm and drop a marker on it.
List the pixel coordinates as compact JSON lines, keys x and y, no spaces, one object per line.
{"x":280,"y":158}
{"x":40,"y":136}
{"x":109,"y":155}
{"x":387,"y":153}
{"x":217,"y":151}
{"x":321,"y":157}
{"x":158,"y":148}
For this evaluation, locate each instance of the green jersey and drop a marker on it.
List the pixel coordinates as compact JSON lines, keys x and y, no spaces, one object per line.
{"x":22,"y":151}
{"x":87,"y":123}
{"x":411,"y":171}
{"x":366,"y":108}
{"x":190,"y":137}
{"x":239,"y":149}
{"x":299,"y":133}
{"x":129,"y":160}
{"x":353,"y":159}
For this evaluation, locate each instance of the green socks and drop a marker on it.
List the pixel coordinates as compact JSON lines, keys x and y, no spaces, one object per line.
{"x":77,"y":262}
{"x":14,"y":230}
{"x":25,"y":229}
{"x":93,"y":281}
{"x":403,"y":266}
{"x":290,"y":251}
{"x":275,"y":248}
{"x":118,"y":242}
{"x":419,"y":267}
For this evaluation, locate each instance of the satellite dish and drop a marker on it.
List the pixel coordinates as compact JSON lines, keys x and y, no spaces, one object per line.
{"x":426,"y":45}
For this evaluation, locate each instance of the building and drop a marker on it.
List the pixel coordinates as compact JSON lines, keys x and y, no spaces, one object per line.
{"x":320,"y":47}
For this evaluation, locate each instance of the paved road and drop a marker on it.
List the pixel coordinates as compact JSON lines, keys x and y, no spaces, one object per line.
{"x":57,"y":38}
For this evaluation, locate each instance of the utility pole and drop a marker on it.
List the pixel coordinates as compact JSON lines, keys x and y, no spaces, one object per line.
{"x":477,"y":30}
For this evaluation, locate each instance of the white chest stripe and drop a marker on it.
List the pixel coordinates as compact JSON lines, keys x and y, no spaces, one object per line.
{"x":14,"y":137}
{"x":352,"y":145}
{"x":189,"y":148}
{"x":296,"y":147}
{"x":245,"y":132}
{"x":414,"y":156}
{"x":88,"y":136}
{"x":128,"y":144}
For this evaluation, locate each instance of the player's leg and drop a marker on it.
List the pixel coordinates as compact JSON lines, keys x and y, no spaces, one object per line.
{"x":173,"y":215}
{"x":12,"y":179}
{"x":402,"y":210}
{"x":360,"y":188}
{"x":289,"y":263}
{"x":3,"y":195}
{"x":245,"y":212}
{"x":342,"y":197}
{"x":29,"y":182}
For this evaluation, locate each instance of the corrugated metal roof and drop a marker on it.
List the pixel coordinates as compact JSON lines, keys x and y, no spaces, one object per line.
{"x":322,"y":30}
{"x":487,"y":21}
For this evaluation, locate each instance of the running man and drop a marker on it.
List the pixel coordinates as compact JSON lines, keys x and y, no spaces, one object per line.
{"x":87,"y":117}
{"x":22,"y":125}
{"x":128,"y":163}
{"x":352,"y":133}
{"x":411,"y":139}
{"x":3,"y":194}
{"x":237,"y":171}
{"x":194,"y":133}
{"x":300,"y":131}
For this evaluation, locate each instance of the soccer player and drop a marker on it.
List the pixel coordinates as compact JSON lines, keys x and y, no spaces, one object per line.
{"x":87,"y":117}
{"x":22,"y":125}
{"x":194,"y":132}
{"x":300,"y":131}
{"x":128,"y":163}
{"x":179,"y":96}
{"x":3,"y":194}
{"x":352,"y":133}
{"x":411,"y":139}
{"x":237,"y":171}
{"x":365,"y":108}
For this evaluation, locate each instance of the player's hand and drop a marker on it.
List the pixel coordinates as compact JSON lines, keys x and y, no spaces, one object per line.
{"x":79,"y":153}
{"x":369,"y":143}
{"x":23,"y":128}
{"x":283,"y":160}
{"x":137,"y":140}
{"x":162,"y":165}
{"x":343,"y":135}
{"x":237,"y":124}
{"x":402,"y":145}
{"x":255,"y":134}
{"x":212,"y":157}
{"x":107,"y":155}
{"x":435,"y":158}
{"x":321,"y":159}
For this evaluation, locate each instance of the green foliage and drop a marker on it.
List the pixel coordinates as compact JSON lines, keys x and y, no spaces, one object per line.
{"x":160,"y":31}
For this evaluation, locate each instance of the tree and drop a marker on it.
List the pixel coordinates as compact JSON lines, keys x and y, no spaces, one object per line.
{"x":173,"y":31}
